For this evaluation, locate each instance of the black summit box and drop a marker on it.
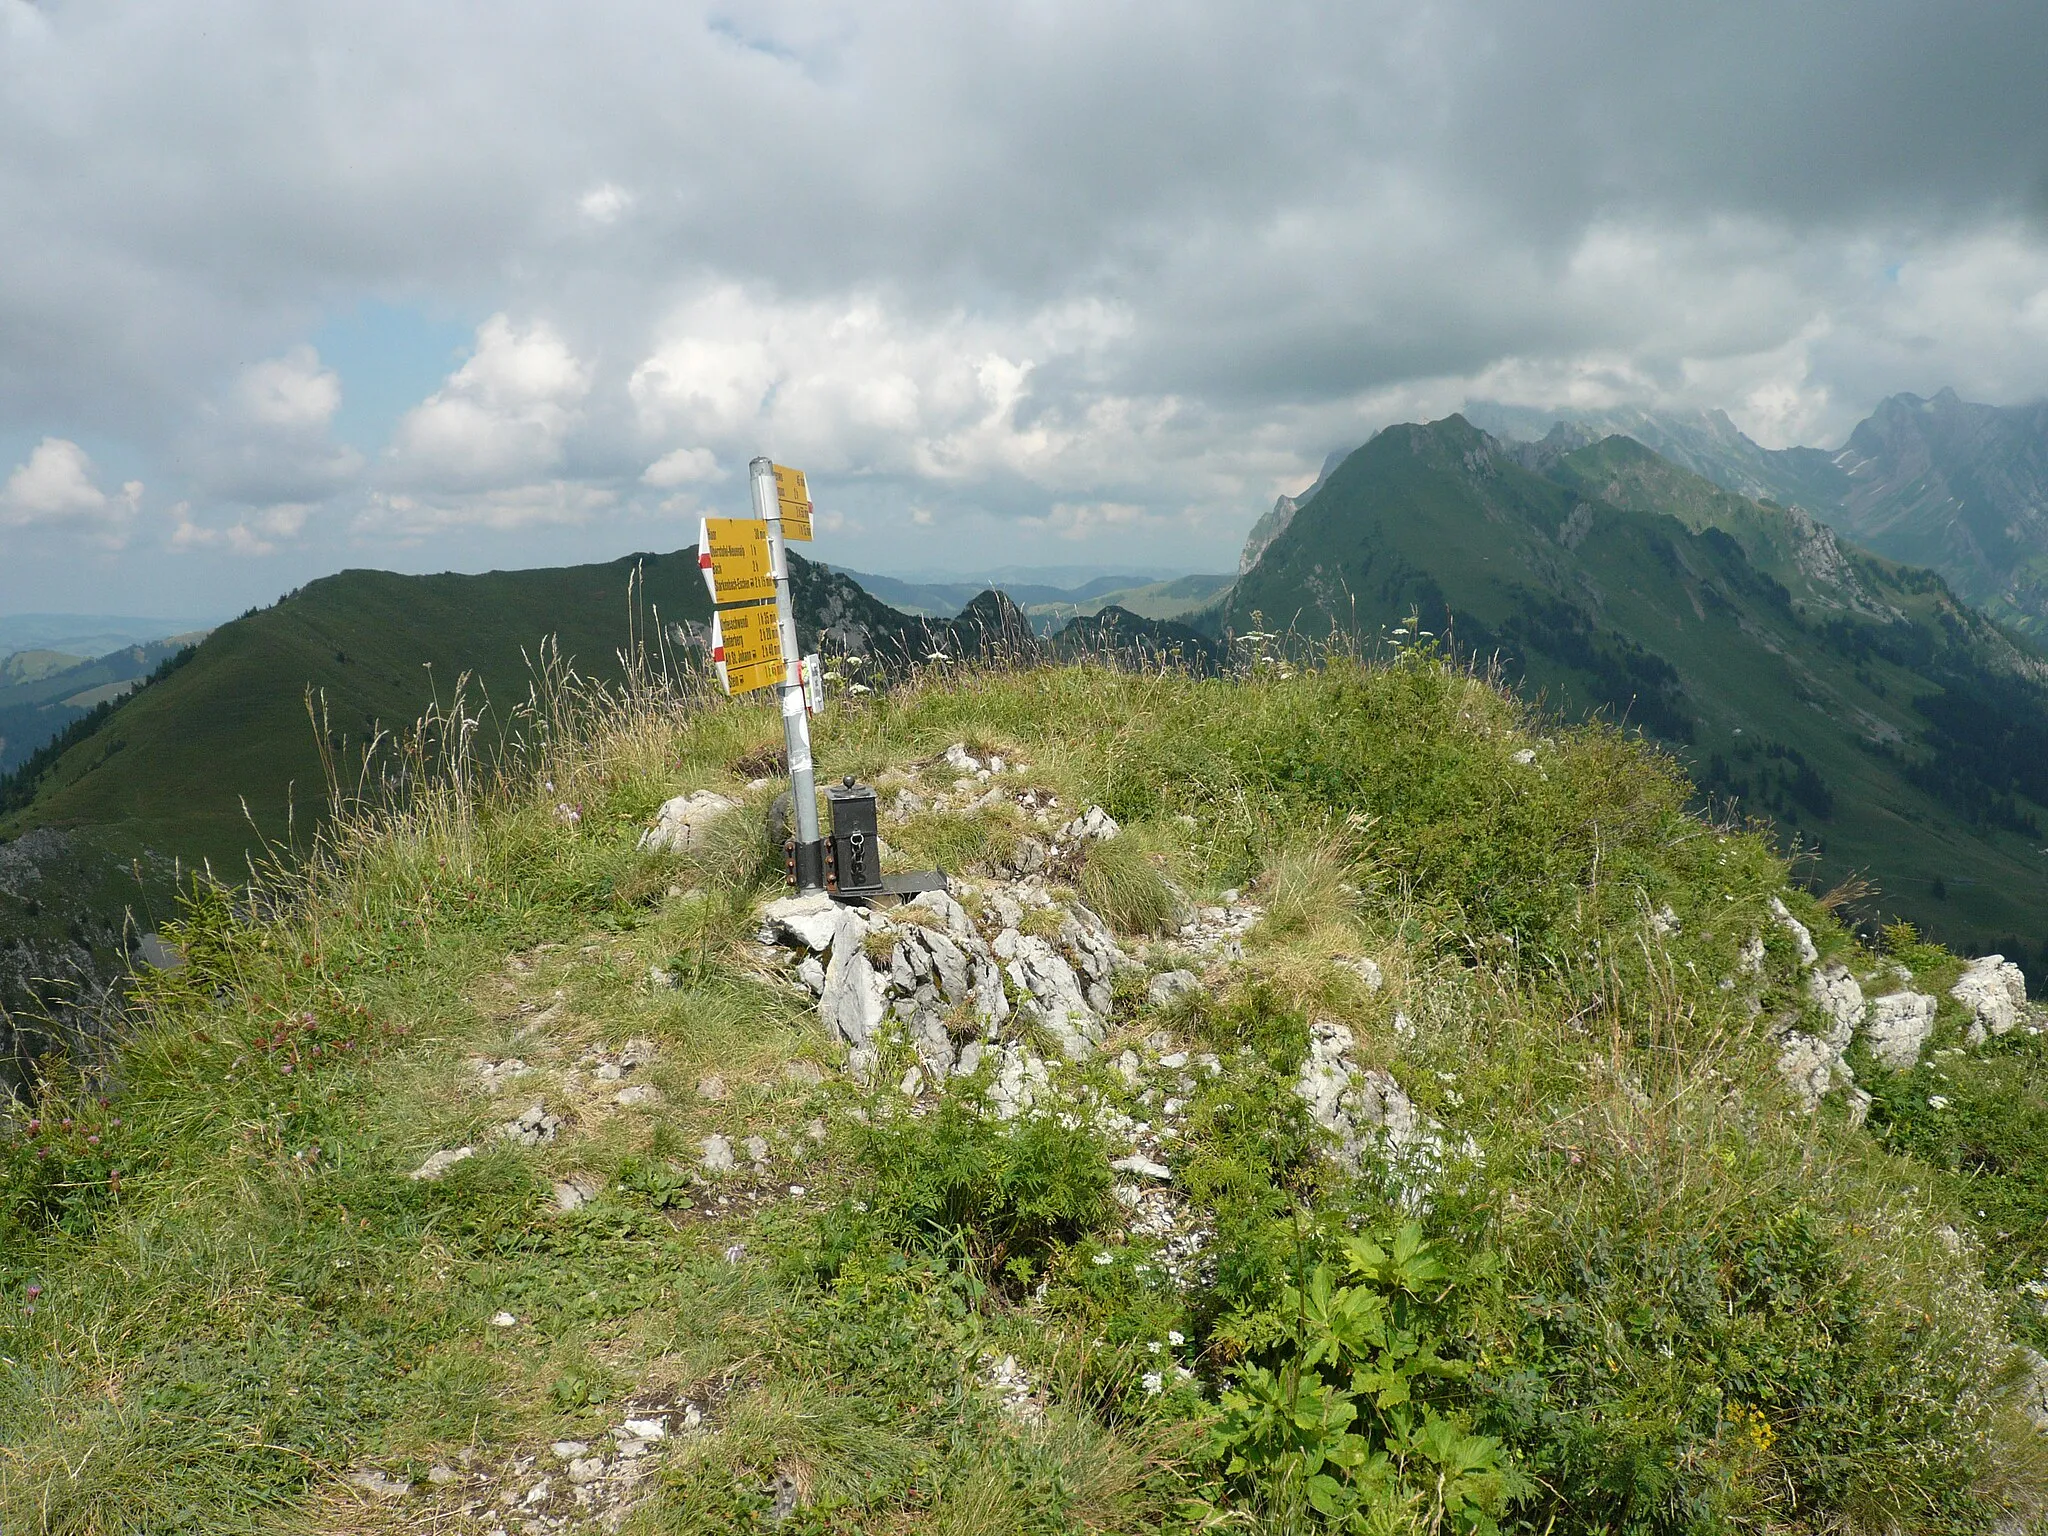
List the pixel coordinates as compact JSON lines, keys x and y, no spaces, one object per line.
{"x":853,"y":856}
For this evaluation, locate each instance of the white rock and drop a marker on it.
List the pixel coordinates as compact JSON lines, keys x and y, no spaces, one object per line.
{"x":1367,"y":971}
{"x":1840,"y":1000}
{"x":378,"y":1485}
{"x":441,"y":1162}
{"x":1801,"y":938}
{"x":1524,"y":756}
{"x":812,"y":975}
{"x":648,"y":1429}
{"x":1898,"y":1026}
{"x":1142,"y":1166}
{"x":637,"y":1093}
{"x":717,"y":1154}
{"x":503,"y":1320}
{"x":2032,"y":1397}
{"x":1169,"y":985}
{"x":756,"y":1149}
{"x":680,"y":824}
{"x":1810,"y":1065}
{"x":853,"y":1001}
{"x":1750,"y":959}
{"x":960,"y":760}
{"x":812,"y":921}
{"x":1096,"y":824}
{"x":587,"y":1469}
{"x":569,"y":1450}
{"x":711,"y":1087}
{"x":1995,"y":992}
{"x":959,"y":926}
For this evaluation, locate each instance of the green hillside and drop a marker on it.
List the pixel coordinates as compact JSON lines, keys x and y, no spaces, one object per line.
{"x":1876,"y":719}
{"x":173,"y":768}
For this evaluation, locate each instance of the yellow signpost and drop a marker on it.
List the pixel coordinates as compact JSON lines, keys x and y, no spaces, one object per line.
{"x":747,"y":645}
{"x":733,"y":554}
{"x":793,"y":501}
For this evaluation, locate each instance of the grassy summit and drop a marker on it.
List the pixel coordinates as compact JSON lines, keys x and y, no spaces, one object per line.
{"x":1577,"y":1260}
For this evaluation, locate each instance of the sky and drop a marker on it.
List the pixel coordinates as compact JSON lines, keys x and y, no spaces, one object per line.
{"x":287,"y":289}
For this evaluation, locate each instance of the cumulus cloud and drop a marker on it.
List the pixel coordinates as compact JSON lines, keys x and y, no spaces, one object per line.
{"x":268,"y":442}
{"x":503,"y":417}
{"x":604,"y":204}
{"x":984,"y":262}
{"x":410,"y":518}
{"x":55,"y":487}
{"x":682,"y":466}
{"x":257,"y":533}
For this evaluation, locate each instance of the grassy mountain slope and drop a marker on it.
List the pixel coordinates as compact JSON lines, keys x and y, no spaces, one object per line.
{"x":171,"y":769}
{"x":1599,"y":1273}
{"x":1856,"y":702}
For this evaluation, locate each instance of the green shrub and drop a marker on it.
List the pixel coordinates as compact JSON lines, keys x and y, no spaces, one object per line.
{"x":1980,"y":1120}
{"x":1350,"y":1405}
{"x":1683,"y":1381}
{"x":996,"y":1191}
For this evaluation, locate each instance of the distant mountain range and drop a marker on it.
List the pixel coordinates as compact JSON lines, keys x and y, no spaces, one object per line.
{"x":1957,"y":487}
{"x":42,"y":692}
{"x":1856,"y":701}
{"x":1050,"y":607}
{"x":84,"y":635}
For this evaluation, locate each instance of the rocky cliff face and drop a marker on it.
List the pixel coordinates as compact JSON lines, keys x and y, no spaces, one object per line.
{"x":1276,"y":522}
{"x":1960,"y":487}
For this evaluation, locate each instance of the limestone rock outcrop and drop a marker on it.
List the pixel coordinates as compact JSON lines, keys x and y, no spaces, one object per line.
{"x":680,"y":824}
{"x":1995,"y":992}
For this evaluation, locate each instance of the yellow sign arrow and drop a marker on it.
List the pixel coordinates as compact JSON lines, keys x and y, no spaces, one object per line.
{"x":733,"y":554}
{"x":746,"y":643}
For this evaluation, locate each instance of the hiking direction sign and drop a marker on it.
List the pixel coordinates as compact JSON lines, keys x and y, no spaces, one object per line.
{"x":793,"y":501}
{"x":733,"y":554}
{"x":746,"y":644}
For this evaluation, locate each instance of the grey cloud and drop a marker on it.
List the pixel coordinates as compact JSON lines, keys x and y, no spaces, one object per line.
{"x":1300,"y":219}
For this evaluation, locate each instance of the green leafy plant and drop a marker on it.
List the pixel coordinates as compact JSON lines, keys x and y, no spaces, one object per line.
{"x":1347,"y":1404}
{"x":997,"y":1190}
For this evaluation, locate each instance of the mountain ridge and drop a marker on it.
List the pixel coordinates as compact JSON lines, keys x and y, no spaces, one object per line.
{"x":1858,"y":701}
{"x":1941,"y":482}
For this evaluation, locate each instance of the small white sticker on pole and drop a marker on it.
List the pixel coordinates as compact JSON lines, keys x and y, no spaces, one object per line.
{"x":814,"y":683}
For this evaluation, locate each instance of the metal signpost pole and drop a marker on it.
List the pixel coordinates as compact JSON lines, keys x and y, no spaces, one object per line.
{"x":796,"y":725}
